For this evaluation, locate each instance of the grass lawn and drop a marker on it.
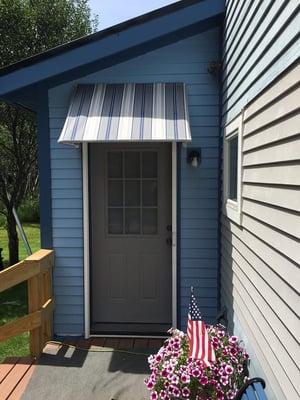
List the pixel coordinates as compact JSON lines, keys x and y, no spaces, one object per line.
{"x":13,"y":302}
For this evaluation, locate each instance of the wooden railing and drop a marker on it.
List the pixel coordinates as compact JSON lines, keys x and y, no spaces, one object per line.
{"x":37,"y":271}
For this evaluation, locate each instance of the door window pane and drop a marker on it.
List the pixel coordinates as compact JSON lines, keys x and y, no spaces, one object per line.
{"x":150,"y":193}
{"x":149,"y":164}
{"x":115,"y":220}
{"x":132,"y":193}
{"x":233,"y":168}
{"x":149,"y":221}
{"x":132,"y":220}
{"x":114,"y":164}
{"x":132,"y":164}
{"x":115,"y":193}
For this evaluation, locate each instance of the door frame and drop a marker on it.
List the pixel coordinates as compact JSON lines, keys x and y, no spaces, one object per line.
{"x":86,"y":238}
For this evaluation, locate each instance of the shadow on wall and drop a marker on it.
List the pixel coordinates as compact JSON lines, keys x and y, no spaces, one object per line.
{"x":227,"y":296}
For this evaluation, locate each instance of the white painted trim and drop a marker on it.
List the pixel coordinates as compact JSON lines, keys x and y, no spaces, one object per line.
{"x":174,"y":235}
{"x":86,"y":247}
{"x":86,"y":239}
{"x":233,"y":209}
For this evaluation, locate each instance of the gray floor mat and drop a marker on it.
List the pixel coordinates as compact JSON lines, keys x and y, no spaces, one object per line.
{"x":77,"y":374}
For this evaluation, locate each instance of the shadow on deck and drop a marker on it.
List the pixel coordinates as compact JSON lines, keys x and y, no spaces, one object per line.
{"x":99,"y":368}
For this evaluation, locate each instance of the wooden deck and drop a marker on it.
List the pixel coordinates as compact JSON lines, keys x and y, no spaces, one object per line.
{"x":15,"y":373}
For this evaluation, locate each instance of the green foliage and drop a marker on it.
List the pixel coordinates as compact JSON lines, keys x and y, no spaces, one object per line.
{"x":13,"y":302}
{"x":29,"y":211}
{"x":28,"y":27}
{"x":32,"y":232}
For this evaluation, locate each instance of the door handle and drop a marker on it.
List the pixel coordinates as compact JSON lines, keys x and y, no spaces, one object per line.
{"x":169,"y":241}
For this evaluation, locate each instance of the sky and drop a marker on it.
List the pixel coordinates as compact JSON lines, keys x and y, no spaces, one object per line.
{"x":112,"y":12}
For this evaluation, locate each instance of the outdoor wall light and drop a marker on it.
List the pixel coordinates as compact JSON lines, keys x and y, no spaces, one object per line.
{"x":194,"y":157}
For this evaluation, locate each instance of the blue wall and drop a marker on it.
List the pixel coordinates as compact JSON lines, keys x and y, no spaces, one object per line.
{"x":185,"y":61}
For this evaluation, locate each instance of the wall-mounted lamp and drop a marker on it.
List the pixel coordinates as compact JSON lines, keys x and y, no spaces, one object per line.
{"x":193,"y":157}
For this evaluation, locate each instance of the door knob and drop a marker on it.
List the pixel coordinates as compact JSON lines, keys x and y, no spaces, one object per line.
{"x":169,"y":241}
{"x":169,"y":228}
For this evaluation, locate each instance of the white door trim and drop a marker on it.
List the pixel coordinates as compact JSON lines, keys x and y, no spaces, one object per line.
{"x":86,"y":240}
{"x":174,"y":234}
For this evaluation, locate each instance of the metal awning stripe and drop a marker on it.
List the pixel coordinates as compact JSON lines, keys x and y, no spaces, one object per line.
{"x":127,"y":112}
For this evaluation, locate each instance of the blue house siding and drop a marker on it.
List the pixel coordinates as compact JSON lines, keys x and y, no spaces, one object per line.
{"x":185,"y":61}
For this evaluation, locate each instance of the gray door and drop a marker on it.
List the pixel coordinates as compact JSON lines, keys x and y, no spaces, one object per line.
{"x":131,"y":273}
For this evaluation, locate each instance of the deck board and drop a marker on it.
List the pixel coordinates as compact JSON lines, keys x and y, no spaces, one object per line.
{"x":7,"y":365}
{"x":20,"y":388}
{"x":14,"y":377}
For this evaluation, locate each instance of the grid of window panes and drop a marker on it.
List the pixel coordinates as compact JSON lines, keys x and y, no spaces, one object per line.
{"x":233,"y":167}
{"x":132,"y":198}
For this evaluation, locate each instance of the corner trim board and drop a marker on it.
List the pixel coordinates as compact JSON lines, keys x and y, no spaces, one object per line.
{"x":44,"y":166}
{"x":86,"y":238}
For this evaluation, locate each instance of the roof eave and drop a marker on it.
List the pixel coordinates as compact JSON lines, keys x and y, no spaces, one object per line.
{"x":109,"y":50}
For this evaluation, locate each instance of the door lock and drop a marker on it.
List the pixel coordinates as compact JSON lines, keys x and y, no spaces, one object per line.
{"x":169,"y":241}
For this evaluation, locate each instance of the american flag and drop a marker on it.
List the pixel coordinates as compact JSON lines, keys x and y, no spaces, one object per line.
{"x":200,"y":346}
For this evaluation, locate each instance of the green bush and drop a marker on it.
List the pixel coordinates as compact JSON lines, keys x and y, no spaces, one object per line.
{"x":29,"y":211}
{"x":2,"y":221}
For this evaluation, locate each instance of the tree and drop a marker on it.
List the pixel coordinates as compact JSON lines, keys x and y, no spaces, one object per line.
{"x":28,"y":27}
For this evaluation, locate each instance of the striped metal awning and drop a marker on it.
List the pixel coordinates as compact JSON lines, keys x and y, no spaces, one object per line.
{"x":127,"y":112}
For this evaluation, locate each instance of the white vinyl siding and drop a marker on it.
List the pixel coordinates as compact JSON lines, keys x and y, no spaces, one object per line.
{"x":260,"y":277}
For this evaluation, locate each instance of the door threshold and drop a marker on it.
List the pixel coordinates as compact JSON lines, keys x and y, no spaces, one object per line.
{"x":130,"y":336}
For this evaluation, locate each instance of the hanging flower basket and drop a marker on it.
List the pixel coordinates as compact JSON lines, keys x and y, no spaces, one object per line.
{"x":176,"y":376}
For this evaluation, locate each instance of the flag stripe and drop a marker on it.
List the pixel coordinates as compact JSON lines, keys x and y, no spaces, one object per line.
{"x":200,"y":347}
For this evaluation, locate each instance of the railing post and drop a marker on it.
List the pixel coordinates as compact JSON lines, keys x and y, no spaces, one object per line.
{"x":47,"y":294}
{"x":37,"y":271}
{"x":34,"y":304}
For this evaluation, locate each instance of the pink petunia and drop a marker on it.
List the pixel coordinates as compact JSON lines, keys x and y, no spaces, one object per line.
{"x":185,"y":378}
{"x":230,"y":394}
{"x":224,"y":380}
{"x":176,"y":392}
{"x":203,"y":380}
{"x":154,"y":395}
{"x":164,"y":373}
{"x":150,"y":384}
{"x":220,"y":395}
{"x":158,"y":358}
{"x":175,"y":380}
{"x":228,"y":369}
{"x":196,"y":373}
{"x":233,"y":339}
{"x":186,"y":392}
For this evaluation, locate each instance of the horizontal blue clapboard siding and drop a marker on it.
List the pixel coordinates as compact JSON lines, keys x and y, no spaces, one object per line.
{"x":199,"y":233}
{"x":70,"y":223}
{"x":69,"y":269}
{"x":185,"y":61}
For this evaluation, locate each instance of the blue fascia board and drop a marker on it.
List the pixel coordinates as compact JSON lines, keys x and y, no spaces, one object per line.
{"x":26,"y":96}
{"x":43,"y":140}
{"x":154,"y":32}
